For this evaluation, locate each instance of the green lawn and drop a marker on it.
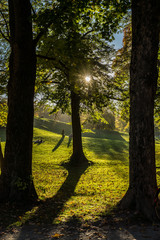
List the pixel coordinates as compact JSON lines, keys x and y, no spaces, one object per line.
{"x":84,"y":193}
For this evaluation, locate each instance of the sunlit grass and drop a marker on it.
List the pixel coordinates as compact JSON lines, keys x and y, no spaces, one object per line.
{"x":83,"y":193}
{"x":101,"y":185}
{"x":99,"y":188}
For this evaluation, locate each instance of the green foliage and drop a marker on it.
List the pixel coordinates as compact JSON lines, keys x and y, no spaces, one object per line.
{"x":75,"y":46}
{"x":69,"y":29}
{"x":3,"y":114}
{"x":105,"y":120}
{"x":121,"y":67}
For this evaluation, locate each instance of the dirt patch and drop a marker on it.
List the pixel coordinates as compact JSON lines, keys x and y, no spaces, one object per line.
{"x":109,"y":228}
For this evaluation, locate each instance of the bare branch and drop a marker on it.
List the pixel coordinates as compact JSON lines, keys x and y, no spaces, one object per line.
{"x":84,"y":35}
{"x":8,"y":40}
{"x":45,"y":57}
{"x":34,"y":12}
{"x":7,"y":28}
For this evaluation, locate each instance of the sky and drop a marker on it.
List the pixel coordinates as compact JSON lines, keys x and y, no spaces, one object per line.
{"x":118,"y":42}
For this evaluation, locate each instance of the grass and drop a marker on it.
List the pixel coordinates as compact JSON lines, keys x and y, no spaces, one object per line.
{"x":84,"y":193}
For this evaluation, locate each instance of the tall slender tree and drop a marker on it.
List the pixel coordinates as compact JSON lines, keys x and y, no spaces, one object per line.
{"x":143,"y":83}
{"x":16,"y":174}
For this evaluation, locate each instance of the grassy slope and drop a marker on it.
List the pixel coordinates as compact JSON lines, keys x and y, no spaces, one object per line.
{"x":82,"y":193}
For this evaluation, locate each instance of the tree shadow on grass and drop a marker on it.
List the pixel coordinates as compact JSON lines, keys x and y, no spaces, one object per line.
{"x":49,"y":209}
{"x":52,"y":126}
{"x":114,"y":149}
{"x":106,"y":134}
{"x":58,"y":144}
{"x":11,"y":213}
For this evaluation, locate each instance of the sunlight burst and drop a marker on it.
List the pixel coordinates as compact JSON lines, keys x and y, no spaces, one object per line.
{"x":88,"y":78}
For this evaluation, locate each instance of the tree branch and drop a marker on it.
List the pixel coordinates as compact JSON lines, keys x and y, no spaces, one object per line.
{"x":34,"y":12}
{"x":45,"y":81}
{"x":3,"y":35}
{"x":8,"y":40}
{"x":53,"y":59}
{"x":84,"y":35}
{"x":45,"y":57}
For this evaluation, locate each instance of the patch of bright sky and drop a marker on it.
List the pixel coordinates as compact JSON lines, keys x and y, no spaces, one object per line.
{"x":118,"y":42}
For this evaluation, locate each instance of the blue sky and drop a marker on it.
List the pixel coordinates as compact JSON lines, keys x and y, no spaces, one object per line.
{"x":118,"y":42}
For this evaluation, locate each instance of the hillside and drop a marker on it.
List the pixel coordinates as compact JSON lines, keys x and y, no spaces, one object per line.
{"x":57,"y":127}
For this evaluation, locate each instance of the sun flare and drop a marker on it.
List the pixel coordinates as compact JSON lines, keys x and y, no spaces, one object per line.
{"x":88,"y":78}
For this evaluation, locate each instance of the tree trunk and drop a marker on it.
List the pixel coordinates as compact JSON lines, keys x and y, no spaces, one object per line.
{"x":1,"y":155}
{"x":78,"y":156}
{"x":17,"y":183}
{"x":143,"y":82}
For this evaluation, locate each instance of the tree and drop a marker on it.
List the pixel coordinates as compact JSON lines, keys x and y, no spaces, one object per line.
{"x":69,"y":13}
{"x":65,"y":79}
{"x":16,"y":172}
{"x":72,"y":45}
{"x":143,"y":83}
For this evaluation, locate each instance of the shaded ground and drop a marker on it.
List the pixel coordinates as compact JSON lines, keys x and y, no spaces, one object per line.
{"x":83,"y":232}
{"x":116,"y":228}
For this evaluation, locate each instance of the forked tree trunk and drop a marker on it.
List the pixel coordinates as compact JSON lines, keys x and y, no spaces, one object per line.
{"x":17,"y":182}
{"x":78,"y":156}
{"x":143,"y":82}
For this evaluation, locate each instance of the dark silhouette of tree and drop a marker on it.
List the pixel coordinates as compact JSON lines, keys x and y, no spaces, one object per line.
{"x":16,"y":172}
{"x":143,"y":83}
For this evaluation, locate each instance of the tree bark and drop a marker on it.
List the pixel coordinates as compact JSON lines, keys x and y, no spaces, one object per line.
{"x":143,"y":83}
{"x":78,"y":156}
{"x":17,"y":183}
{"x":1,"y":155}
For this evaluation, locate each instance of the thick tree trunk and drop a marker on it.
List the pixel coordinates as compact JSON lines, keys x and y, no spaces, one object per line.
{"x":78,"y":156}
{"x":1,"y":155}
{"x":17,"y":183}
{"x":143,"y":82}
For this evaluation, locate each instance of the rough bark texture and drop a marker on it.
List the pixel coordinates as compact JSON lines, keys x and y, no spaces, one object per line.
{"x":78,"y":156}
{"x":17,"y":168}
{"x":1,"y":156}
{"x":143,"y":82}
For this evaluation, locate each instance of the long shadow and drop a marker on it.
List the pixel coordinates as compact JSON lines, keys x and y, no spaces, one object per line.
{"x":58,"y":144}
{"x":106,"y":134}
{"x":114,"y":149}
{"x":70,"y":230}
{"x":10,"y":213}
{"x":49,"y":209}
{"x":52,"y":126}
